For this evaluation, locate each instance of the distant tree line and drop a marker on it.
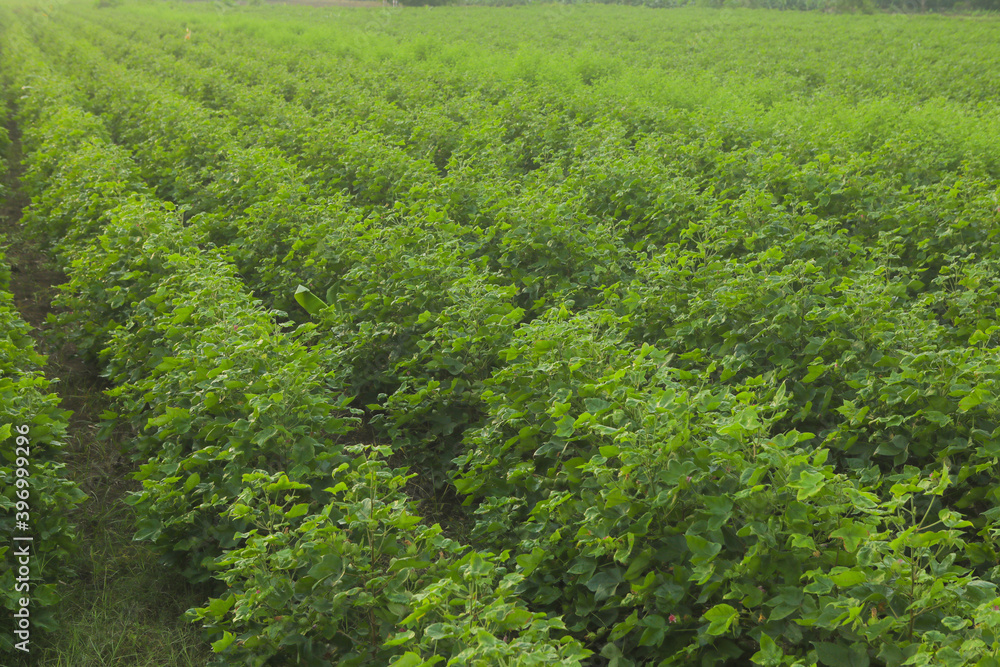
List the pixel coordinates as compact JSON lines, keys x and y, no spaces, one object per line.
{"x":865,"y":6}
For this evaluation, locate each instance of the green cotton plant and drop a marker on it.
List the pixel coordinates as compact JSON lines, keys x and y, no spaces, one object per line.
{"x":258,"y":399}
{"x":895,"y":591}
{"x":670,"y":521}
{"x":93,"y":178}
{"x":551,"y":249}
{"x":73,"y":173}
{"x":116,"y":265}
{"x":441,"y":382}
{"x":480,"y":622}
{"x":361,"y":580}
{"x":279,"y":244}
{"x":566,"y":467}
{"x":382,"y":306}
{"x":834,"y":331}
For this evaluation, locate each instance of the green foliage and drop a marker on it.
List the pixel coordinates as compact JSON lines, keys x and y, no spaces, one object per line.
{"x":361,"y":580}
{"x":257,"y":400}
{"x":705,"y":340}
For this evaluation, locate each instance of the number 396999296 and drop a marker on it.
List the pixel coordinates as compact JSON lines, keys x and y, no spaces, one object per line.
{"x":22,"y":452}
